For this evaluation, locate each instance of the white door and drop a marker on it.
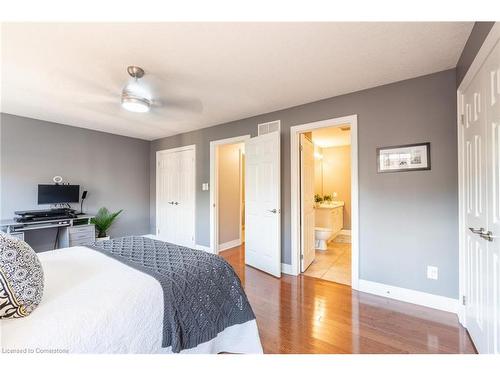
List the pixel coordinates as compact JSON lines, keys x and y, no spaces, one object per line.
{"x":481,"y":150}
{"x":263,"y":203}
{"x":176,"y":197}
{"x":307,"y":201}
{"x":185,"y":202}
{"x":166,"y":196}
{"x":492,"y":105}
{"x":476,"y":215}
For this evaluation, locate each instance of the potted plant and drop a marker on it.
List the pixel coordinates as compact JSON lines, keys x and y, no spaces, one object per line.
{"x":328,"y":198}
{"x":103,"y":221}
{"x":318,"y":199}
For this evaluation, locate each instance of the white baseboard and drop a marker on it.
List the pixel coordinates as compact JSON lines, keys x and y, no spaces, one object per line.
{"x":287,"y":269}
{"x":204,"y":248}
{"x":229,"y":244}
{"x":408,"y":295}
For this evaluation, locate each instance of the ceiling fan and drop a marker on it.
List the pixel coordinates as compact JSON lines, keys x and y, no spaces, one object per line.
{"x":135,"y":97}
{"x":143,"y":92}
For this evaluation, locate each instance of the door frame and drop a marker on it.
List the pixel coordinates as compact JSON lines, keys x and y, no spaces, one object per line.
{"x":214,"y":189}
{"x":170,"y":151}
{"x":483,"y":53}
{"x":295,"y":132}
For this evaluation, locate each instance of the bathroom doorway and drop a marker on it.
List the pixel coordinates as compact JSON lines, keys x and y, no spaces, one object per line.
{"x":327,"y":200}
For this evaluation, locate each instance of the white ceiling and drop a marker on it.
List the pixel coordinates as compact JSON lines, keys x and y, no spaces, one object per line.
{"x":203,"y":74}
{"x":332,"y":137}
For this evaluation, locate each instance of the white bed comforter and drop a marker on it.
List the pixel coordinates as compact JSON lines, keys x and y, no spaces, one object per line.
{"x":95,"y":304}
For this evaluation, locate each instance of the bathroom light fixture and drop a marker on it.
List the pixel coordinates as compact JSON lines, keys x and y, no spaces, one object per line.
{"x":135,"y":101}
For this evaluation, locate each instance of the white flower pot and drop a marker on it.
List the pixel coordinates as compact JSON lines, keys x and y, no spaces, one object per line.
{"x":98,"y":239}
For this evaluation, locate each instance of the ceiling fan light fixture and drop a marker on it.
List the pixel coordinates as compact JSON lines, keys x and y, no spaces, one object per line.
{"x":134,"y":103}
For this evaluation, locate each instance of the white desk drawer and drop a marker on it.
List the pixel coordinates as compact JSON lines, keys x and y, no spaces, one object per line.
{"x":81,"y":229}
{"x":77,"y":235}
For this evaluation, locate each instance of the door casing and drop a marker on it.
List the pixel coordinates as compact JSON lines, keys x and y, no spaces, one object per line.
{"x":295,"y":132}
{"x":214,"y":188}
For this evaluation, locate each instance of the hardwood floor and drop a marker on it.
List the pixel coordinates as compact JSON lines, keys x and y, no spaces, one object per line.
{"x":309,"y":315}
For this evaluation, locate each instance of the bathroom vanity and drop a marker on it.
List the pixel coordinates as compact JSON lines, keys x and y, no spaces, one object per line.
{"x":330,"y":215}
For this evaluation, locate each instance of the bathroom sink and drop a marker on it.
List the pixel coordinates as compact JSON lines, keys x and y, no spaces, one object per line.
{"x":332,"y":204}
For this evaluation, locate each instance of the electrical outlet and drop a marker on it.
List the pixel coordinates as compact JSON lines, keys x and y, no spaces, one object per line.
{"x":204,"y":186}
{"x":432,"y":272}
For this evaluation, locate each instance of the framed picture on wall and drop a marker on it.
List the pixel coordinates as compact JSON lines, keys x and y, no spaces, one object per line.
{"x":404,"y":158}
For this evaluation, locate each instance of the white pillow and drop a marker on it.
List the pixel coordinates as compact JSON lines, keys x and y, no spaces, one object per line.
{"x":21,"y":278}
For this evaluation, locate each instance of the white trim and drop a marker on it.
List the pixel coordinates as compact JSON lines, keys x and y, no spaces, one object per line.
{"x":461,"y":209}
{"x":229,"y":244}
{"x":481,"y":56}
{"x":168,"y":151}
{"x":214,"y":229}
{"x":409,"y":295}
{"x":203,"y":248}
{"x":287,"y":269}
{"x":295,"y":193}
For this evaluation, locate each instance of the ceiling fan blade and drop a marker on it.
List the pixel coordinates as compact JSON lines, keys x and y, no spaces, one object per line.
{"x":179,"y":104}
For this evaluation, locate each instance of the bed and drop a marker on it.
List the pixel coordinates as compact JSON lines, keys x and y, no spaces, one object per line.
{"x":93,"y":303}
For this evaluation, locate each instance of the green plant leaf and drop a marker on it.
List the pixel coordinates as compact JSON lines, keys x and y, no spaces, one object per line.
{"x":103,"y":220}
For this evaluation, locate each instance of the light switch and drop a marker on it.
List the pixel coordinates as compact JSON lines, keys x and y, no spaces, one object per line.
{"x":204,"y":186}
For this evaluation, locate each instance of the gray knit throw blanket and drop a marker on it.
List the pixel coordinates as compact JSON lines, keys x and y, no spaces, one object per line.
{"x":202,"y":293}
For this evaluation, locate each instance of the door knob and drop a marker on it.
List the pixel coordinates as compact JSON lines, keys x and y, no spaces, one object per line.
{"x":171,"y":202}
{"x":274,"y":211}
{"x":477,"y":231}
{"x":487,"y":236}
{"x":176,"y":203}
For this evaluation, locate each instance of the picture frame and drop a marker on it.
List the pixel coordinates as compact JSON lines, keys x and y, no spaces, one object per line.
{"x":404,"y":158}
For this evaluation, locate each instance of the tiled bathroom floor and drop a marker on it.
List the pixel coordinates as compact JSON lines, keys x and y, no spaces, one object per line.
{"x":333,"y":264}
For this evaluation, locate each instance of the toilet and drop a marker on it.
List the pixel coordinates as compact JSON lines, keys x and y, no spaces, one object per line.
{"x":321,"y":235}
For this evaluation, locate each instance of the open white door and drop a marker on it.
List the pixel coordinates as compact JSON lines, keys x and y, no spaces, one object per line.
{"x":307,"y":201}
{"x":263,"y":203}
{"x":481,"y":155}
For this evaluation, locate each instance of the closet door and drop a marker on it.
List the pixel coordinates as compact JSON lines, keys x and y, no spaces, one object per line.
{"x":176,"y":197}
{"x":476,"y":215}
{"x":491,"y":86}
{"x":481,"y":151}
{"x":185,"y":199}
{"x":168,"y":186}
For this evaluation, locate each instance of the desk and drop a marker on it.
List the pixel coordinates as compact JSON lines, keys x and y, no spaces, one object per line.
{"x":70,"y":232}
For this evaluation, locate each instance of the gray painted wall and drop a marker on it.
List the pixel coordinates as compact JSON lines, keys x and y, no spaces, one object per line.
{"x":407,"y":220}
{"x":114,"y":169}
{"x":476,"y":38}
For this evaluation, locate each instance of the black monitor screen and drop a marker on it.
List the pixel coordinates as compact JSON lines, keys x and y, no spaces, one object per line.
{"x":48,"y":194}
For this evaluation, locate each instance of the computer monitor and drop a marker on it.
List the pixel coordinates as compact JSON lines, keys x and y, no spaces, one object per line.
{"x":51,"y":194}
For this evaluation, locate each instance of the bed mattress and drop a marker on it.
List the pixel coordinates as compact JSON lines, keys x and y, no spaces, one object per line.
{"x":95,"y":304}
